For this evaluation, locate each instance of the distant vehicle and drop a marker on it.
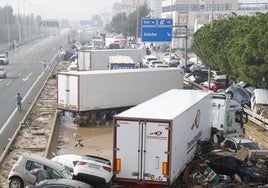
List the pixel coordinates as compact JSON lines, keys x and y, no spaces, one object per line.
{"x":161,"y":65}
{"x":246,"y":86}
{"x":60,"y":183}
{"x":259,"y":101}
{"x":217,"y":75}
{"x":146,"y":59}
{"x":197,"y":76}
{"x":22,"y":172}
{"x":93,"y":169}
{"x":67,"y":160}
{"x":196,"y":60}
{"x":195,"y":67}
{"x":3,"y":72}
{"x":169,"y":56}
{"x":72,"y":67}
{"x":175,"y":63}
{"x":66,"y":54}
{"x":172,"y":60}
{"x":236,"y":143}
{"x":229,"y":165}
{"x":239,"y":94}
{"x":4,"y":59}
{"x":213,"y":86}
{"x":152,"y":63}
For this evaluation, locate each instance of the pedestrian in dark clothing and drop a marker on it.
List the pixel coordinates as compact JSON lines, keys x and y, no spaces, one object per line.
{"x":18,"y":100}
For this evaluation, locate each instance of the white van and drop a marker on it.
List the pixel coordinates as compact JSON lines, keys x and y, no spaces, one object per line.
{"x":259,"y":101}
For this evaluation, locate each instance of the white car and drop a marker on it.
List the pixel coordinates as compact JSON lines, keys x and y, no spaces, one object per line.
{"x":4,"y":59}
{"x":3,"y":72}
{"x":67,"y":160}
{"x":93,"y":169}
{"x":153,"y":63}
{"x":236,"y":143}
{"x":30,"y":169}
{"x":146,"y":59}
{"x":217,"y":75}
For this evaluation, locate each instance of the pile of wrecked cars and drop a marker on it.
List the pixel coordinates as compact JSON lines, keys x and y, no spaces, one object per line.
{"x":217,"y":166}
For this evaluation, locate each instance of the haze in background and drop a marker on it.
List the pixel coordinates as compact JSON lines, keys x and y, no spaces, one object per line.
{"x":60,"y":9}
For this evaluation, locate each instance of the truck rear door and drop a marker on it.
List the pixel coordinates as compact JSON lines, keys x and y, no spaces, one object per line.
{"x":141,"y":151}
{"x":68,"y":92}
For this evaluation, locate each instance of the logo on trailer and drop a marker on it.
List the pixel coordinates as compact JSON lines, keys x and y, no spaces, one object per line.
{"x":157,"y":133}
{"x":196,"y":120}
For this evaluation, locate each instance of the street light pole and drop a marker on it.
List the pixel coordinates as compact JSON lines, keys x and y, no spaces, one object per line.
{"x":211,"y":25}
{"x":8,"y":35}
{"x":137,"y":29}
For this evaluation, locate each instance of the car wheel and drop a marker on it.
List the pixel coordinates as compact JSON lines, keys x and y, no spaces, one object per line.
{"x":230,"y":94}
{"x":15,"y":182}
{"x":246,"y":178}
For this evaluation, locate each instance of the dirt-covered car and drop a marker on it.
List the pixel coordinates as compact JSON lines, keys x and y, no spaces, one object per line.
{"x":30,"y":169}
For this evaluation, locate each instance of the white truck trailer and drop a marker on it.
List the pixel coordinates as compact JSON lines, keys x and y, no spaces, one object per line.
{"x":121,"y":62}
{"x":89,"y":91}
{"x":99,"y":59}
{"x":154,"y":141}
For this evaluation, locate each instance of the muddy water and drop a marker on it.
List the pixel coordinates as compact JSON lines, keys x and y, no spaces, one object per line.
{"x":97,"y":139}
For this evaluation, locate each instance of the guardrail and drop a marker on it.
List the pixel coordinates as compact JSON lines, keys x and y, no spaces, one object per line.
{"x":256,"y":118}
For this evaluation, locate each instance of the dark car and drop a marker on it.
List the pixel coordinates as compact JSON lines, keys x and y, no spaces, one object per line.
{"x":66,"y":183}
{"x":229,"y":165}
{"x":239,"y":94}
{"x":197,"y":76}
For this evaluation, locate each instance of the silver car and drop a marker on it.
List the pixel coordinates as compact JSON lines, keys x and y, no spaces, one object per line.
{"x":30,"y":169}
{"x":3,"y":72}
{"x":4,"y":59}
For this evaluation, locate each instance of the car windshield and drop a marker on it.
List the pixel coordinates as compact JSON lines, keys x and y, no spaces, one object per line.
{"x":67,"y":174}
{"x":218,"y":73}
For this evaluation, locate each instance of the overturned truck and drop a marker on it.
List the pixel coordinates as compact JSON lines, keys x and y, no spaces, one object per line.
{"x":95,"y":96}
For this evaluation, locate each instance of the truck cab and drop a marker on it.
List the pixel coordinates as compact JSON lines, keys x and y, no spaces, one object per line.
{"x":227,"y":115}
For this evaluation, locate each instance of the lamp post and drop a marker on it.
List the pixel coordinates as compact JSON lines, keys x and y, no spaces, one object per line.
{"x":137,"y":28}
{"x":211,"y":26}
{"x":8,"y":34}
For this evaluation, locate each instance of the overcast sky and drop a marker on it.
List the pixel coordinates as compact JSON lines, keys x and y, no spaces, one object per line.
{"x":59,"y":9}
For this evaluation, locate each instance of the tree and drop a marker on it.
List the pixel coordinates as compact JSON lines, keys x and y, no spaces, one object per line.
{"x":97,"y":21}
{"x":127,"y":24}
{"x":237,"y":46}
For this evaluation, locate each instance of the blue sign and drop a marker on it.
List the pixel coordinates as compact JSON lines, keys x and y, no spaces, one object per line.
{"x":156,"y":30}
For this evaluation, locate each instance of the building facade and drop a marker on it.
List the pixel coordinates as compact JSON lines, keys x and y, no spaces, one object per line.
{"x":190,"y":15}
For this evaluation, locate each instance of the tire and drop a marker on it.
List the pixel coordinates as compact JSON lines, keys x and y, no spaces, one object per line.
{"x":15,"y":182}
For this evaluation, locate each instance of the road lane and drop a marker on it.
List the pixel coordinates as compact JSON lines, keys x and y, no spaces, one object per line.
{"x":26,"y":76}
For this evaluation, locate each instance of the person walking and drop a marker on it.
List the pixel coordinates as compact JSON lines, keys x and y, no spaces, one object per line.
{"x":18,"y":100}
